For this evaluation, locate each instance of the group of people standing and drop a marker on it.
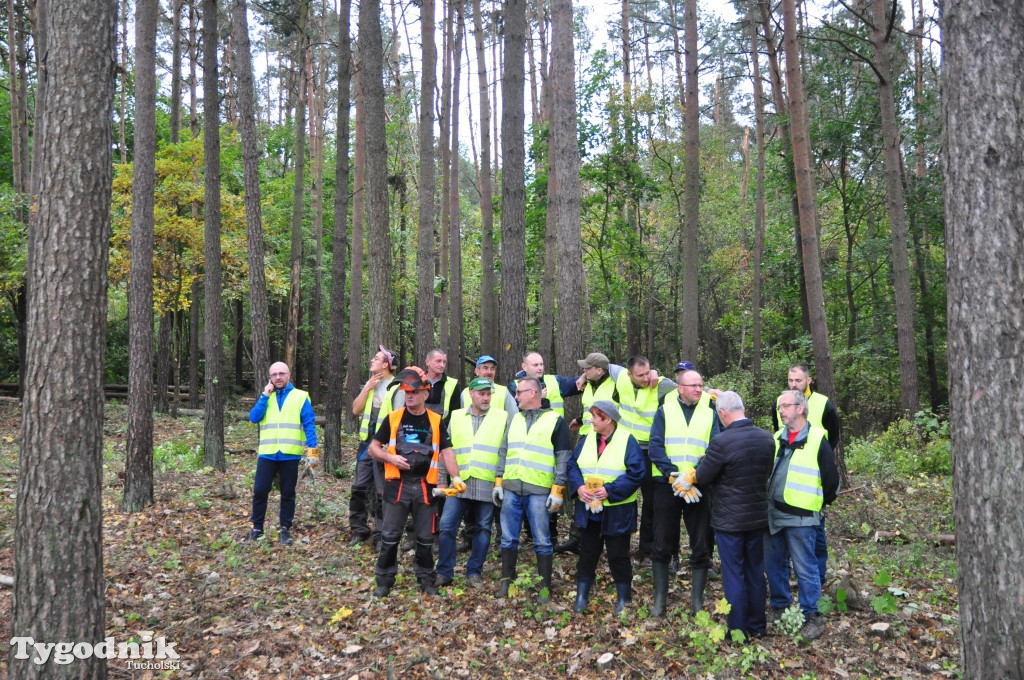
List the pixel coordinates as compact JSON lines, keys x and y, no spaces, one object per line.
{"x":442,"y":458}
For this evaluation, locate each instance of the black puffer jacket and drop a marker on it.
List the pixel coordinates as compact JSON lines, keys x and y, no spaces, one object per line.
{"x":735,"y":469}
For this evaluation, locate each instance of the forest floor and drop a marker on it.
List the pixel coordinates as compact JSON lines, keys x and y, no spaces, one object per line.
{"x":180,"y":570}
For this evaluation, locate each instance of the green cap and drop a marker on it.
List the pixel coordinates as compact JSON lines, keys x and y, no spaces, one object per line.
{"x":481,"y":384}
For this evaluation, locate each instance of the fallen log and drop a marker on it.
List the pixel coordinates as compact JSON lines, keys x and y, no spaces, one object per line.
{"x":938,"y":539}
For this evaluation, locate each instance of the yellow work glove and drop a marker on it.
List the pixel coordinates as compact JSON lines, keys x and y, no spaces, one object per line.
{"x":458,"y":485}
{"x":690,"y":475}
{"x":555,"y":498}
{"x":446,"y":492}
{"x":596,"y":505}
{"x":498,"y":495}
{"x":312,"y":455}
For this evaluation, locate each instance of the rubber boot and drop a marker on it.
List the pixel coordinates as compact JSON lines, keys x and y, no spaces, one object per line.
{"x":572,"y":543}
{"x":582,"y":596}
{"x":508,"y":570}
{"x":700,"y":577}
{"x":660,"y":572}
{"x":544,"y":569}
{"x":625,"y":593}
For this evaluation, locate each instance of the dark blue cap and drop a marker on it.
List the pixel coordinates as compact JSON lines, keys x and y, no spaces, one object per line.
{"x":685,"y":366}
{"x":485,"y":358}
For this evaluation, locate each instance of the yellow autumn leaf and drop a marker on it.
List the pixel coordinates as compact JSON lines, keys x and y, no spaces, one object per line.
{"x":723,"y":606}
{"x":341,"y":614}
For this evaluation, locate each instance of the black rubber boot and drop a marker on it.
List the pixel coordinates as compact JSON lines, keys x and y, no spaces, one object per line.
{"x":508,"y":570}
{"x":660,"y":572}
{"x":625,"y":593}
{"x":700,"y":577}
{"x":544,"y":569}
{"x":572,"y":543}
{"x":582,"y":596}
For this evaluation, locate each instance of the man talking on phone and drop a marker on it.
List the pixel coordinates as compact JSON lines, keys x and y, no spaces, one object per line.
{"x":287,"y":432}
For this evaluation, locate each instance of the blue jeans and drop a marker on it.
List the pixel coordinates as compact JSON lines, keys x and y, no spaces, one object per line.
{"x":821,"y":549}
{"x":451,"y":517}
{"x":799,"y":541}
{"x":534,"y":506}
{"x":743,"y":584}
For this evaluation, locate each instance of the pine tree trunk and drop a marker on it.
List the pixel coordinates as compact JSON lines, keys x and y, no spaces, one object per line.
{"x":759,"y":207}
{"x":298,"y":195}
{"x":353,"y":378}
{"x":425,"y":261}
{"x":691,"y":219}
{"x":372,"y":58}
{"x":138,"y":467}
{"x":513,"y":193}
{"x":213,"y":408}
{"x":316,"y":160}
{"x":488,"y":298}
{"x":59,"y":590}
{"x":258,"y":321}
{"x":564,"y":183}
{"x":336,"y":357}
{"x":457,"y":339}
{"x":983,"y":120}
{"x":896,"y":207}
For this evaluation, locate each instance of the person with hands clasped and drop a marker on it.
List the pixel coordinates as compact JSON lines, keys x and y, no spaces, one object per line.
{"x":416,"y":446}
{"x":606,"y":470}
{"x":478,"y":435}
{"x":530,"y":481}
{"x":287,"y":433}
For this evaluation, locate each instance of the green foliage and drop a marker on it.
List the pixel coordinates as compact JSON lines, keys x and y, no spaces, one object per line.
{"x":177,"y":456}
{"x":905,"y":448}
{"x":792,"y":620}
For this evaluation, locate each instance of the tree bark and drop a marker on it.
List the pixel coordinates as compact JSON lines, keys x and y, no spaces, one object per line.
{"x":258,"y":321}
{"x":59,"y":589}
{"x":691,"y":220}
{"x":316,"y":161}
{"x":513,"y":192}
{"x":457,"y":330}
{"x":213,"y":408}
{"x":983,"y":120}
{"x":759,"y":207}
{"x":904,"y":297}
{"x":488,"y":297}
{"x":298,"y":194}
{"x":564,"y":183}
{"x":336,"y":358}
{"x":444,"y":126}
{"x":138,"y":467}
{"x":372,"y":58}
{"x":353,"y":378}
{"x":425,"y":260}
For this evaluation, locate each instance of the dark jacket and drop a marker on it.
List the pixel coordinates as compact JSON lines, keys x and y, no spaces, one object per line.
{"x":616,"y":520}
{"x":735,"y":470}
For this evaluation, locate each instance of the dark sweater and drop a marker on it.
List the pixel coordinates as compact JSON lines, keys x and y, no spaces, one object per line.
{"x":735,"y":469}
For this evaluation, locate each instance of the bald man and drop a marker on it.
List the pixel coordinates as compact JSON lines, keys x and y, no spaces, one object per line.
{"x":287,"y":430}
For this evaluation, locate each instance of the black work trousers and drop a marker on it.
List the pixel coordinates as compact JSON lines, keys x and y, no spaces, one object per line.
{"x":647,"y":504}
{"x":412,"y":497}
{"x":696,"y":516}
{"x":365,"y":500}
{"x":616,"y":549}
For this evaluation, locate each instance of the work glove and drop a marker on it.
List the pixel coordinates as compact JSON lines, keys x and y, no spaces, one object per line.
{"x":690,"y":476}
{"x":555,"y":499}
{"x":595,"y":506}
{"x":498,"y":495}
{"x":449,"y":492}
{"x":458,"y":485}
{"x":684,"y":489}
{"x":312,"y":456}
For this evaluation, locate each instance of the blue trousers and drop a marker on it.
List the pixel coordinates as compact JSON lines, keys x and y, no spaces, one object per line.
{"x":454,"y":510}
{"x":742,"y":555}
{"x":287,"y":472}
{"x":799,"y":541}
{"x":533,"y":506}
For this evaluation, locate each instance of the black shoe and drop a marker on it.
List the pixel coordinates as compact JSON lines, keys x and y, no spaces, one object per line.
{"x":356,"y":540}
{"x":427,"y":586}
{"x":443,"y":581}
{"x":624,"y":591}
{"x":284,"y":536}
{"x":381,"y":591}
{"x":570,"y":546}
{"x":814,"y":627}
{"x":254,"y":535}
{"x":659,"y":572}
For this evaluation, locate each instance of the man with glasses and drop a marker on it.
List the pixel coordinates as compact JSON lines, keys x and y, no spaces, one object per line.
{"x":804,"y":479}
{"x":682,"y":430}
{"x":530,"y":480}
{"x":287,"y":431}
{"x":821,"y":412}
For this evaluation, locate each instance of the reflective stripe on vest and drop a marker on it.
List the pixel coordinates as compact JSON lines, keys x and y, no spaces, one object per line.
{"x":477,"y":453}
{"x":610,"y":465}
{"x":816,"y":404}
{"x":386,"y":407}
{"x":554,"y":395}
{"x":605,"y":391}
{"x":281,"y":427}
{"x":531,"y":455}
{"x":637,"y":407}
{"x":686,"y":442}
{"x":395,"y":418}
{"x":498,"y":397}
{"x":803,"y":479}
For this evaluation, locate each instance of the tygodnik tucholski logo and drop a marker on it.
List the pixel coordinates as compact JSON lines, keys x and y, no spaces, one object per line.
{"x":140,"y":652}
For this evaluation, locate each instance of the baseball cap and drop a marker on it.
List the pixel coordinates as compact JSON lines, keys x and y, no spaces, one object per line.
{"x":485,"y":358}
{"x":685,"y":365}
{"x":594,"y":360}
{"x":481,"y":384}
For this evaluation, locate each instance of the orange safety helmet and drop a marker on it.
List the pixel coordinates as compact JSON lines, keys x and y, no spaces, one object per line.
{"x":412,"y":379}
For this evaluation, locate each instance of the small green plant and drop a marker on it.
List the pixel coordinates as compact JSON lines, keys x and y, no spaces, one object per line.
{"x":826,"y":605}
{"x":177,"y":456}
{"x":884,"y":603}
{"x":792,"y":620}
